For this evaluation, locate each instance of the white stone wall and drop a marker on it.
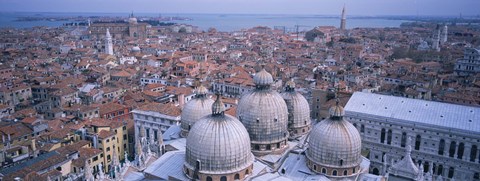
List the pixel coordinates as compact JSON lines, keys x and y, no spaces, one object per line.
{"x":428,"y":150}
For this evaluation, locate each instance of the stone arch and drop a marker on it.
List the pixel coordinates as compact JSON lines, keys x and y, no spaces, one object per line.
{"x":209,"y":178}
{"x":324,"y":170}
{"x":237,"y":176}
{"x":345,"y":172}
{"x":376,"y":171}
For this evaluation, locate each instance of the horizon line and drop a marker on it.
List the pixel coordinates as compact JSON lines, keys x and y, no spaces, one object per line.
{"x":203,"y":13}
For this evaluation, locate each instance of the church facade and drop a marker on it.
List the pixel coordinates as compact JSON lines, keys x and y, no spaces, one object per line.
{"x":131,"y":28}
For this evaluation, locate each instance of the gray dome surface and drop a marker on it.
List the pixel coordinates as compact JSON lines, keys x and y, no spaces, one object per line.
{"x":220,"y":143}
{"x":298,"y":108}
{"x":263,"y":78}
{"x":335,"y":142}
{"x":195,"y":109}
{"x":264,"y":114}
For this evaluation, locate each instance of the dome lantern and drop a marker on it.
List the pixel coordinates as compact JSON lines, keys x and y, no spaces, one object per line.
{"x":218,"y":107}
{"x":263,"y":80}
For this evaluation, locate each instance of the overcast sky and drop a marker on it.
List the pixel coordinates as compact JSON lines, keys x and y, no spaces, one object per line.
{"x":317,"y":7}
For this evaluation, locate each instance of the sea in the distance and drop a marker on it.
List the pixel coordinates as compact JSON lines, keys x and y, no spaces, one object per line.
{"x":222,"y":22}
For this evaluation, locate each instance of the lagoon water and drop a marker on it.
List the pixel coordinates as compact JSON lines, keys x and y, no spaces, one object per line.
{"x":222,"y":22}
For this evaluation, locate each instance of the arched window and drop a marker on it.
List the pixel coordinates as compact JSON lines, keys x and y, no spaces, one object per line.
{"x":441,"y":147}
{"x":389,"y":137}
{"x":404,"y":139}
{"x":324,"y":171}
{"x":223,"y":178}
{"x":345,"y":172}
{"x":247,"y":172}
{"x":376,"y":171}
{"x":362,"y":129}
{"x":426,"y":166}
{"x":237,"y":177}
{"x":341,"y":162}
{"x":440,"y":170}
{"x":451,"y":171}
{"x":461,"y":148}
{"x":315,"y":167}
{"x":257,"y":147}
{"x":418,"y":141}
{"x":382,"y":136}
{"x":473,"y":153}
{"x":453,"y":145}
{"x":334,"y":173}
{"x":209,"y":178}
{"x":269,"y":147}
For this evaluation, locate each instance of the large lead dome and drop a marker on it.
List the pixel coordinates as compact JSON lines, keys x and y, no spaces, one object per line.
{"x":264,"y":113}
{"x":195,"y":109}
{"x":298,"y":111}
{"x":334,"y":146}
{"x":218,"y":146}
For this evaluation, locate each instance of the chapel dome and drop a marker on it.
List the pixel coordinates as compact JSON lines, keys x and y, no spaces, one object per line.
{"x":299,"y":122}
{"x":264,"y":113}
{"x":195,"y":109}
{"x":218,"y":144}
{"x":334,"y":146}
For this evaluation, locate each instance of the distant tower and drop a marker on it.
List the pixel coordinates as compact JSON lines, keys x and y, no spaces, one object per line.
{"x":436,"y":39}
{"x":444,"y":34}
{"x":344,"y":19}
{"x":108,"y":43}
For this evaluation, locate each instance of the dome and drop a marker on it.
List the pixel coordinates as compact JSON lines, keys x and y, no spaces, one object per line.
{"x":218,"y":144}
{"x":195,"y":109}
{"x":263,"y":78}
{"x":298,"y":111}
{"x":334,"y":145}
{"x":135,"y":49}
{"x":264,"y":113}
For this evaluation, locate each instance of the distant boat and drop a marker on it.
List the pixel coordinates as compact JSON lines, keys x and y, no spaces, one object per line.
{"x":222,"y":15}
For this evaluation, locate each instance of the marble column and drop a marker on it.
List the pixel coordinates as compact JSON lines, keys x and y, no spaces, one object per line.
{"x":466,"y":152}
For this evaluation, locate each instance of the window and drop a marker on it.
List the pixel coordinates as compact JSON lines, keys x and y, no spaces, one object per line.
{"x":451,"y":171}
{"x":404,"y":139}
{"x":324,"y":171}
{"x":209,"y":178}
{"x":108,"y":148}
{"x":334,"y":173}
{"x":389,"y":137}
{"x":418,"y":141}
{"x":441,"y":147}
{"x":236,"y":177}
{"x":453,"y":145}
{"x":382,"y":136}
{"x":223,"y":178}
{"x":461,"y":148}
{"x":362,"y":129}
{"x":345,"y":172}
{"x":473,"y":153}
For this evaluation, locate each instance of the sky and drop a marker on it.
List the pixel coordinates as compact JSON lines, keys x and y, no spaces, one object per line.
{"x":316,"y":7}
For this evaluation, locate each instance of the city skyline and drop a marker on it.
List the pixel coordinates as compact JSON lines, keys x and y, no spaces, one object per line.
{"x":302,"y":7}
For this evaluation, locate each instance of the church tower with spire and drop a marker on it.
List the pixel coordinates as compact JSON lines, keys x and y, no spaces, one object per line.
{"x":108,"y":43}
{"x":343,"y":22}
